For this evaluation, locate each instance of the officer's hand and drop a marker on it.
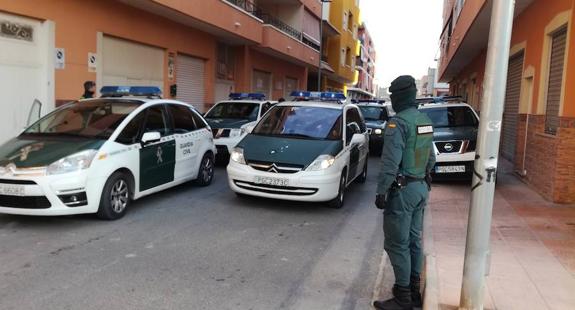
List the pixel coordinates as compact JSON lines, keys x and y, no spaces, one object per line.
{"x":428,"y":180}
{"x":380,"y":201}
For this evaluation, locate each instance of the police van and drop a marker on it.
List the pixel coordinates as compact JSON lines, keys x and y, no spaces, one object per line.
{"x":310,"y":149}
{"x":230,"y":120}
{"x":96,"y":155}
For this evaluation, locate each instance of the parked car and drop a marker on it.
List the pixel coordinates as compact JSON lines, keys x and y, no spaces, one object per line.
{"x":376,"y":114}
{"x":96,"y":155}
{"x":454,"y":137}
{"x":230,"y":120}
{"x":302,"y":151}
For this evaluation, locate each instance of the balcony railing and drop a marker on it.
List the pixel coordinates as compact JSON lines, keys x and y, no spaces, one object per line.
{"x":269,"y":19}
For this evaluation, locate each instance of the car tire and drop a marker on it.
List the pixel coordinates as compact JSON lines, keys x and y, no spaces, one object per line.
{"x":206,"y":171}
{"x":338,"y":201}
{"x":363,"y":176}
{"x":115,"y":197}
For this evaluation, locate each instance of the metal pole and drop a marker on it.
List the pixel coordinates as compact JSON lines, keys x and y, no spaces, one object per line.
{"x":480,"y":211}
{"x":320,"y":47}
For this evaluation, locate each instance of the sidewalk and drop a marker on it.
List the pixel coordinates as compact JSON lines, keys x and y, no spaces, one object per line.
{"x":532,"y":244}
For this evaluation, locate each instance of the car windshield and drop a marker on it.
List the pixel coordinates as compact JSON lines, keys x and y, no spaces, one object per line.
{"x":235,"y":110}
{"x":302,"y":122}
{"x":371,"y":113}
{"x":451,"y":117}
{"x":90,"y":119}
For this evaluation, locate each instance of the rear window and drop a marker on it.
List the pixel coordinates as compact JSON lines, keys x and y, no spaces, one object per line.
{"x":451,"y":117}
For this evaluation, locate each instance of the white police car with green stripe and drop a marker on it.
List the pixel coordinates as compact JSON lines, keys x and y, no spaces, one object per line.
{"x":96,"y":155}
{"x":303,"y":151}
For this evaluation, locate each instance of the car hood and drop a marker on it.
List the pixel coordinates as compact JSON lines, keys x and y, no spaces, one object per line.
{"x":27,"y":152}
{"x":375,"y":124}
{"x":291,"y":151}
{"x":455,"y":133}
{"x":218,"y":123}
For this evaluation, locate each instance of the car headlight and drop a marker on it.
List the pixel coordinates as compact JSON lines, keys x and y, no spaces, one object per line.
{"x":237,"y":155}
{"x":378,"y":131}
{"x":322,"y":162}
{"x":72,"y":163}
{"x":237,"y":132}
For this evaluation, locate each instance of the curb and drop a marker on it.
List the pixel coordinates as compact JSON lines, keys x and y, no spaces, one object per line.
{"x":431,"y":278}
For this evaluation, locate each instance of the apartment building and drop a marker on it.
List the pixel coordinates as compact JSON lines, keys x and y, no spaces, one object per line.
{"x":196,"y":51}
{"x":365,"y":65}
{"x":538,"y":130}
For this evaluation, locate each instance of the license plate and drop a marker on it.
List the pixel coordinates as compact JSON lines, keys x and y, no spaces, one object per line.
{"x":271,"y":181}
{"x":449,"y":169}
{"x":12,"y":190}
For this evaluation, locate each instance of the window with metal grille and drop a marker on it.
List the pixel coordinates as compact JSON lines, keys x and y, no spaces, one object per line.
{"x":555,"y":81}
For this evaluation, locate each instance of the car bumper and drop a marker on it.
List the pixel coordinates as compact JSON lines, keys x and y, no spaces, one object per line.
{"x":466,"y":160}
{"x":41,"y":195}
{"x":314,"y":186}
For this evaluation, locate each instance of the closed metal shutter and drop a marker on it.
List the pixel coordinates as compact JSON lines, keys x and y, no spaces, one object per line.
{"x":190,"y":75}
{"x":131,"y":64}
{"x":262,"y":83}
{"x":511,"y":110}
{"x":291,"y":86}
{"x":556,"y":67}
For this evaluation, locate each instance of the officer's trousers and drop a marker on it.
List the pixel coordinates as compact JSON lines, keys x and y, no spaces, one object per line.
{"x":402,"y":226}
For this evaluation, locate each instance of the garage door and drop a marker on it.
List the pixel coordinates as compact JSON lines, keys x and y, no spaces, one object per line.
{"x":291,"y":86}
{"x":510,"y":113}
{"x":190,"y":74}
{"x":262,"y":83}
{"x":132,"y":64}
{"x":26,"y":73}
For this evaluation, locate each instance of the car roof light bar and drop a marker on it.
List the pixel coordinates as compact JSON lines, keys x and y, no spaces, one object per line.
{"x":133,"y":91}
{"x":247,"y":96}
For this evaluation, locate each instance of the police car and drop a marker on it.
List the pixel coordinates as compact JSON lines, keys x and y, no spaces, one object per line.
{"x":230,"y":120}
{"x":376,"y":114}
{"x":96,"y":155}
{"x":303,"y":151}
{"x":456,"y":126}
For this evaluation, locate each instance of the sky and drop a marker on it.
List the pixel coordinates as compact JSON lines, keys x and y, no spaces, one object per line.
{"x":406,"y":36}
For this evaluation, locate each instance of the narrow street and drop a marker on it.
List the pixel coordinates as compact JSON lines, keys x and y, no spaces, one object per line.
{"x":197,"y":248}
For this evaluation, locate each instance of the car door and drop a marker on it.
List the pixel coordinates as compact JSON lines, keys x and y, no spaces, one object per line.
{"x":357,"y":152}
{"x":187,"y":141}
{"x":157,"y":158}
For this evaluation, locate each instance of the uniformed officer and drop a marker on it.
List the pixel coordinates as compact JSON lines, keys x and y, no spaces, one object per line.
{"x":403,"y":190}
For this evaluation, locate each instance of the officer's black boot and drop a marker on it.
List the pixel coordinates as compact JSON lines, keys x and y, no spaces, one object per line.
{"x":415,"y":292}
{"x":401,"y":300}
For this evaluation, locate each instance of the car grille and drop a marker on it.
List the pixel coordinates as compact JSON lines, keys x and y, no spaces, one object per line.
{"x":24,"y":202}
{"x":275,"y":167}
{"x":449,"y":147}
{"x":279,"y":190}
{"x":221,"y":133}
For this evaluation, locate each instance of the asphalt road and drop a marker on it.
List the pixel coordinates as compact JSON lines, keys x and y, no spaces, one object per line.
{"x":198,"y":248}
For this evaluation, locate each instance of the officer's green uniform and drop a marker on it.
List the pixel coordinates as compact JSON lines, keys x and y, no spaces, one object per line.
{"x":407,"y":151}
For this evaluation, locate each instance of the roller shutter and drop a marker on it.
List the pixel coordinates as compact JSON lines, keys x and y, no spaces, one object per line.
{"x":556,"y":67}
{"x":511,"y":110}
{"x":190,"y":72}
{"x":291,"y":86}
{"x":262,"y":83}
{"x":131,"y":64}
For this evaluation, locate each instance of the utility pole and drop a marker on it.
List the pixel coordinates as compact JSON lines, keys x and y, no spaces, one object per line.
{"x":480,"y":211}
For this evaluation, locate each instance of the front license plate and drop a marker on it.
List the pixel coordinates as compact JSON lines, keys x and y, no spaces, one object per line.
{"x":449,"y":169}
{"x":271,"y":181}
{"x":12,"y":190}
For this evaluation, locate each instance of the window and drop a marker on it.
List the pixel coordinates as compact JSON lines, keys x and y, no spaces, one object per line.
{"x":555,"y":81}
{"x":345,"y":20}
{"x":348,"y":58}
{"x":183,"y":119}
{"x":451,"y":117}
{"x":343,"y":57}
{"x":131,"y":133}
{"x":353,"y":116}
{"x":200,"y":122}
{"x":156,"y":121}
{"x":235,"y":110}
{"x":350,"y":24}
{"x":225,"y":62}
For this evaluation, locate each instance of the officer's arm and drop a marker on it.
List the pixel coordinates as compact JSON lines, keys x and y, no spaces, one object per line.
{"x":393,"y":145}
{"x":431,"y":162}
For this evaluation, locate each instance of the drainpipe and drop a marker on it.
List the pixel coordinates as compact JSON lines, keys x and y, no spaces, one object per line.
{"x":476,"y":264}
{"x":523,"y":171}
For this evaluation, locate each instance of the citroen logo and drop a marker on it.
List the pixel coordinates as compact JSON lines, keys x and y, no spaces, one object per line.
{"x":273,"y":168}
{"x":448,"y":147}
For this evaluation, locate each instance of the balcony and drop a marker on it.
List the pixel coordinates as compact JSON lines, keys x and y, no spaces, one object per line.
{"x":269,"y":19}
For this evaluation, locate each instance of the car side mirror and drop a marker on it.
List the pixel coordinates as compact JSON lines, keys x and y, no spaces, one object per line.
{"x":357,"y":138}
{"x":352,"y":129}
{"x":150,"y":137}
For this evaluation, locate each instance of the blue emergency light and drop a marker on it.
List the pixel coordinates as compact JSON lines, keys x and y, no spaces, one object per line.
{"x":247,"y":96}
{"x":332,"y":96}
{"x":136,"y":91}
{"x":319,"y":96}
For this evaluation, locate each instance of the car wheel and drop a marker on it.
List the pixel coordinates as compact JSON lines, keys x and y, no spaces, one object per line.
{"x":115,"y":197}
{"x":337,"y":202}
{"x":206,"y":173}
{"x":363,"y":176}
